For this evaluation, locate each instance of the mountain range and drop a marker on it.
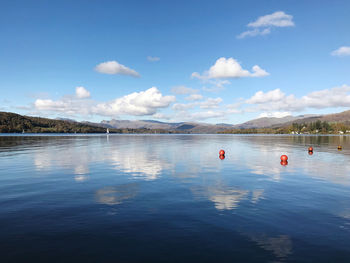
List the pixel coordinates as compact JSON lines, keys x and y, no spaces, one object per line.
{"x":19,"y":122}
{"x":199,"y":127}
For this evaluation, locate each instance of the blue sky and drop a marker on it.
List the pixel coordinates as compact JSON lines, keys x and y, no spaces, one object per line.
{"x":174,"y":60}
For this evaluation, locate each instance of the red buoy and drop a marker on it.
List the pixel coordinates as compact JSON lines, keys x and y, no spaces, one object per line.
{"x":284,"y":158}
{"x":284,"y":163}
{"x":310,"y":149}
{"x":311,"y":152}
{"x":222,"y":156}
{"x":221,"y":152}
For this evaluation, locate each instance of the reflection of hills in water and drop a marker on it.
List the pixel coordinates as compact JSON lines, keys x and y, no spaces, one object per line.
{"x":147,"y":157}
{"x":79,"y":155}
{"x":260,"y":154}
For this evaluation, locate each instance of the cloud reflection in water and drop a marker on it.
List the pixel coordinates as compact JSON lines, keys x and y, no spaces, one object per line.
{"x":115,"y":195}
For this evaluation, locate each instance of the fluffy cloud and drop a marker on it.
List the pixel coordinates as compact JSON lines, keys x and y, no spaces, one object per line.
{"x":342,"y":51}
{"x":270,"y":96}
{"x":82,"y":93}
{"x":182,"y":90}
{"x":67,"y":106}
{"x":138,"y":103}
{"x":229,"y":68}
{"x":153,"y":59}
{"x":276,"y":100}
{"x":263,"y":25}
{"x":114,"y":68}
{"x":193,"y":97}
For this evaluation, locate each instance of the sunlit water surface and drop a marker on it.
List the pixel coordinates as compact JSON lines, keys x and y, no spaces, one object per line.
{"x":169,"y":198}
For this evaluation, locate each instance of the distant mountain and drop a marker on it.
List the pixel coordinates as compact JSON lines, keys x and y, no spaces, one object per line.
{"x":267,"y":122}
{"x":65,"y":119}
{"x":195,"y":127}
{"x":186,"y":127}
{"x":122,"y":124}
{"x":342,"y":117}
{"x":11,"y":122}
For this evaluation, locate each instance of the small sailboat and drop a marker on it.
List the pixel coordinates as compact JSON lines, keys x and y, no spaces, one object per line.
{"x":22,"y":131}
{"x":107,"y":131}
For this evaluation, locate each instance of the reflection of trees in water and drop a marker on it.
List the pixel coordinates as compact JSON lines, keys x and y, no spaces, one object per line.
{"x":115,"y":195}
{"x":320,"y":140}
{"x":274,"y":141}
{"x":23,"y":143}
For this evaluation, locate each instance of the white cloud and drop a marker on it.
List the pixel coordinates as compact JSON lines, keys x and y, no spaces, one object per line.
{"x":210,"y":103}
{"x":276,"y":100}
{"x":193,"y":97}
{"x":138,"y":103}
{"x":183,"y":90}
{"x":277,"y":19}
{"x":229,"y":68}
{"x":82,"y":93}
{"x":270,"y":96}
{"x":254,"y":32}
{"x":218,"y":85}
{"x":341,"y":52}
{"x":161,"y":116}
{"x":153,"y":59}
{"x":67,"y":105}
{"x":114,"y":68}
{"x":275,"y":114}
{"x":183,"y":106}
{"x":263,"y":25}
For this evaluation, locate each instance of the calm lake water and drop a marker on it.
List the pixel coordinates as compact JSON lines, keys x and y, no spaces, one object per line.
{"x":169,"y":198}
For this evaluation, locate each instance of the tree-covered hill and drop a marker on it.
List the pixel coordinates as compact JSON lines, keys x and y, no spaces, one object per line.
{"x":15,"y":123}
{"x":11,"y":122}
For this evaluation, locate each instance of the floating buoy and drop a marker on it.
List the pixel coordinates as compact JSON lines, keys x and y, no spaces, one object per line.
{"x":221,"y":152}
{"x":311,"y":152}
{"x":340,"y":147}
{"x":284,"y":158}
{"x":222,"y":156}
{"x":310,"y":149}
{"x":284,"y":163}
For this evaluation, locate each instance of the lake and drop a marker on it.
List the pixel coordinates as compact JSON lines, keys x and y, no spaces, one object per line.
{"x":170,"y":198}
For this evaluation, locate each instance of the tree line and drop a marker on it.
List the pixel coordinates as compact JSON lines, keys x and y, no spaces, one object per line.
{"x":317,"y":127}
{"x":15,"y":123}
